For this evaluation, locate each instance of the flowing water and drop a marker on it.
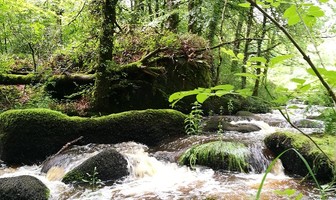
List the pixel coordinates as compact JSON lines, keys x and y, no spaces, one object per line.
{"x":155,"y":174}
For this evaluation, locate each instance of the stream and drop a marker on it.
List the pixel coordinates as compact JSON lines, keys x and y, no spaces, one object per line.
{"x":155,"y":174}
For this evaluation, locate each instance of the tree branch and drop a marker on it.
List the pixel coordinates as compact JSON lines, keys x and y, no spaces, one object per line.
{"x":297,"y":46}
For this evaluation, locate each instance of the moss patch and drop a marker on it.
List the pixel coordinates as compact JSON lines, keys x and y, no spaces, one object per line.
{"x":218,"y":155}
{"x":23,"y":188}
{"x":323,"y":168}
{"x":30,"y":135}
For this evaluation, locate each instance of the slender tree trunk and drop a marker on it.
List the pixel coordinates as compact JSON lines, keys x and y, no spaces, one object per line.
{"x":105,"y":55}
{"x":5,"y":38}
{"x":33,"y":55}
{"x":193,"y":15}
{"x":217,"y":8}
{"x":270,"y":44}
{"x":247,"y":45}
{"x":258,"y":70}
{"x":173,"y":19}
{"x":236,"y":44}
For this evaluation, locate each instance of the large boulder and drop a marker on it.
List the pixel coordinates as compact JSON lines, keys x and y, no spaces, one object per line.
{"x":23,"y":188}
{"x":323,"y":168}
{"x":28,"y":136}
{"x":218,"y":155}
{"x":107,"y":166}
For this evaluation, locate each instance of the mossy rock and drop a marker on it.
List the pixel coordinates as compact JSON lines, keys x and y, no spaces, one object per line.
{"x":23,"y":188}
{"x":28,"y":136}
{"x":211,"y":124}
{"x":109,"y":166}
{"x":218,"y":155}
{"x":323,"y":168}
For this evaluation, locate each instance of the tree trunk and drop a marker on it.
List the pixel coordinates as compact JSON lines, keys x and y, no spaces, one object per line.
{"x":258,"y":70}
{"x":105,"y":55}
{"x":236,"y":44}
{"x":247,"y":45}
{"x":173,"y":19}
{"x":216,"y":14}
{"x":194,"y":10}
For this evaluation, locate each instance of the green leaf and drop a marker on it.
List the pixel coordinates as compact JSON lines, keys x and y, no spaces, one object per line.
{"x":257,"y":59}
{"x":244,"y":92}
{"x":292,"y":16}
{"x":201,"y":97}
{"x":291,"y":11}
{"x":240,"y":56}
{"x":304,"y":88}
{"x":309,"y":20}
{"x":281,"y":100}
{"x":294,"y":20}
{"x":323,"y":1}
{"x":247,"y":75}
{"x":220,"y":93}
{"x":226,"y":87}
{"x":287,"y":192}
{"x":315,"y":11}
{"x":229,"y":52}
{"x":245,"y":5}
{"x":298,"y":80}
{"x":279,"y":59}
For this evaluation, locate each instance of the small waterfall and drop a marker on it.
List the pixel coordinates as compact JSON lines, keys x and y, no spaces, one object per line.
{"x":258,"y":161}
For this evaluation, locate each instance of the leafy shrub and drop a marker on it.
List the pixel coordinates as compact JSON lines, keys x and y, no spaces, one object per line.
{"x":193,"y":122}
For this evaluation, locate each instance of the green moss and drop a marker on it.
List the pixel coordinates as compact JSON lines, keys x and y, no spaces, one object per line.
{"x":326,"y":142}
{"x":27,"y":136}
{"x":218,"y":155}
{"x":323,"y":168}
{"x":75,"y":176}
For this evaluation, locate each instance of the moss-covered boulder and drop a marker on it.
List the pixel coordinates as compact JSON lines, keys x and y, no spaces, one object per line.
{"x":28,"y":136}
{"x":23,"y":188}
{"x":218,"y":155}
{"x":108,"y":166}
{"x":323,"y":168}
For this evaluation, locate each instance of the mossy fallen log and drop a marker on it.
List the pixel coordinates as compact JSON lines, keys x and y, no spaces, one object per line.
{"x":323,"y":167}
{"x":16,"y":79}
{"x":28,"y":136}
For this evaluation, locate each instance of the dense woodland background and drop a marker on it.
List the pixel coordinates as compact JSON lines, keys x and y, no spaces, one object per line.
{"x":65,"y":55}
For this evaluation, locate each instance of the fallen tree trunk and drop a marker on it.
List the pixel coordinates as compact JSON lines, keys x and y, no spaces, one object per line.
{"x":15,"y":79}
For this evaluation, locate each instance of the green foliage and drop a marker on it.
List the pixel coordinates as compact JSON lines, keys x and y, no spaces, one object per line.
{"x":93,"y":180}
{"x":203,"y":94}
{"x":193,"y":122}
{"x":329,"y":118}
{"x":218,"y":155}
